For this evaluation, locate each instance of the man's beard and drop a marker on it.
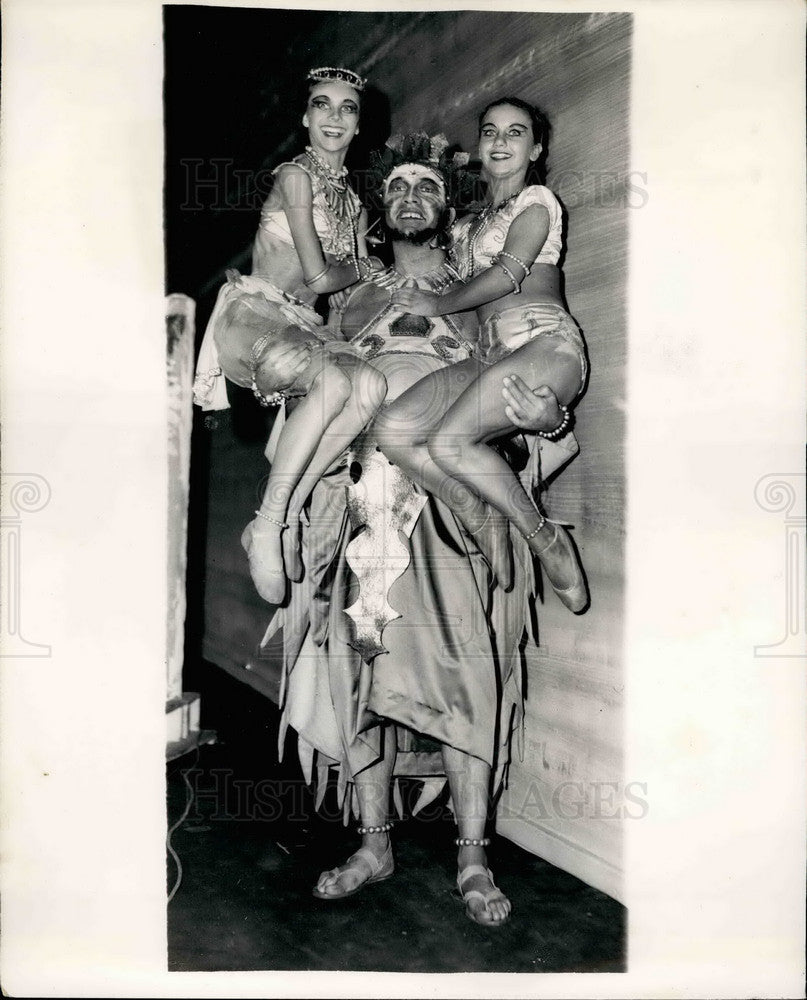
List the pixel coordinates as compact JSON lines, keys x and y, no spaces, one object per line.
{"x":417,"y":239}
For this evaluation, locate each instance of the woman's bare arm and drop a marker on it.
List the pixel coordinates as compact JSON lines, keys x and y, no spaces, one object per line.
{"x":526,"y":236}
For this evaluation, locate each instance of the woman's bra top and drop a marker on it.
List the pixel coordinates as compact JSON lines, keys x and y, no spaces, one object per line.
{"x":336,"y":215}
{"x":471,"y":253}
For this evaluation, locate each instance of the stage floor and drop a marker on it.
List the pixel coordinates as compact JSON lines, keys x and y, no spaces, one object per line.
{"x":252,"y":847}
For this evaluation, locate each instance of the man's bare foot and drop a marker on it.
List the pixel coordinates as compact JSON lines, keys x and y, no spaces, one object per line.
{"x":362,"y":868}
{"x":484,"y":902}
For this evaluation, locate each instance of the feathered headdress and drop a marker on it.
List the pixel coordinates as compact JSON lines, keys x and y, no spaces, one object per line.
{"x":420,"y":149}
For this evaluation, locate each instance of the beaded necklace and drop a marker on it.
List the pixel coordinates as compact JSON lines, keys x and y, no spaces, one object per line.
{"x":479,"y":224}
{"x":324,"y":168}
{"x":340,"y":198}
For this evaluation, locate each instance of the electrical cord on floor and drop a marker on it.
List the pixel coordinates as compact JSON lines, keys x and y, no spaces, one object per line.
{"x":179,"y":823}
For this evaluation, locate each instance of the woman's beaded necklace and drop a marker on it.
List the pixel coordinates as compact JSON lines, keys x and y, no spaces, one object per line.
{"x":337,"y":177}
{"x":479,"y":223}
{"x":340,"y":198}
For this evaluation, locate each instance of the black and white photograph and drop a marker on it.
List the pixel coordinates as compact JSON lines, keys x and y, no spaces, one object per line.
{"x":438,"y":656}
{"x":403,"y":485}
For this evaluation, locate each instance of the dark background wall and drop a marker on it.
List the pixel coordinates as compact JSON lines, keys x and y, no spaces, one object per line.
{"x":233,"y":95}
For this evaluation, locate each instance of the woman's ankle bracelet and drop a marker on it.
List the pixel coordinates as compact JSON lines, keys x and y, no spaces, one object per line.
{"x":472,"y":841}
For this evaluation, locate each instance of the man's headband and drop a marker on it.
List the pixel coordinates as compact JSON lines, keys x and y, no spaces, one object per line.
{"x":412,"y":172}
{"x":326,"y":74}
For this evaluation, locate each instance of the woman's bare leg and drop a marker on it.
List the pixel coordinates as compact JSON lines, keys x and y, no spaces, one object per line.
{"x":459,"y":448}
{"x":469,"y":781}
{"x":403,"y":430}
{"x":373,"y":791}
{"x":368,"y":388}
{"x":301,"y":436}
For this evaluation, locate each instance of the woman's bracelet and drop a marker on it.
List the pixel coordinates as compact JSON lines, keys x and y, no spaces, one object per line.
{"x":510,"y":275}
{"x":516,"y":260}
{"x":308,"y":282}
{"x":273,"y":399}
{"x":560,"y":430}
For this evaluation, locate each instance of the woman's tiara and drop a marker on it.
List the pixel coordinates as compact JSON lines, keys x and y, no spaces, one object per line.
{"x":324,"y":73}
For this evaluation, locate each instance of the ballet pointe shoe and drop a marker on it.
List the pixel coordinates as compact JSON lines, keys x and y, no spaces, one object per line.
{"x":292,"y":560}
{"x":263,"y":548}
{"x":492,"y":538}
{"x":556,"y":552}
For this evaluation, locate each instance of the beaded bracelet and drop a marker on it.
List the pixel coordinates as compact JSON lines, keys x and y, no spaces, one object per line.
{"x":517,"y":260}
{"x":274,"y":398}
{"x":310,"y":281}
{"x":560,"y":430}
{"x":375,"y":829}
{"x":510,"y":275}
{"x":472,"y":841}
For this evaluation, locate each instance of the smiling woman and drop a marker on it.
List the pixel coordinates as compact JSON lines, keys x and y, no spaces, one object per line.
{"x":510,"y":248}
{"x":310,"y":240}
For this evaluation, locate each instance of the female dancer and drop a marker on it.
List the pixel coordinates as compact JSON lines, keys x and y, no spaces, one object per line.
{"x":309,"y":242}
{"x":438,"y":431}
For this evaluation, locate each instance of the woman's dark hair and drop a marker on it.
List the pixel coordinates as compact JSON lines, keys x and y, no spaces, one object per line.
{"x":540,"y":131}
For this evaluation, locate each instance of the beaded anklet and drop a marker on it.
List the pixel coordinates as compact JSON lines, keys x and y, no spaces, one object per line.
{"x":375,"y":829}
{"x":535,"y":531}
{"x":271,"y":520}
{"x":472,"y":841}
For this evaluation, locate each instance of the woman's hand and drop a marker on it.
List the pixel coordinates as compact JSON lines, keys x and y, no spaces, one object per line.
{"x":530,"y":409}
{"x":282,"y":362}
{"x":338,"y":301}
{"x":416,"y":301}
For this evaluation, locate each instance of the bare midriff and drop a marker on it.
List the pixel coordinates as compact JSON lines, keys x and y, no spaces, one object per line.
{"x":542,"y":285}
{"x":277,"y":261}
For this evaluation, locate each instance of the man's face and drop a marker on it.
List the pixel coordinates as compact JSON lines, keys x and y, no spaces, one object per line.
{"x":414,"y":204}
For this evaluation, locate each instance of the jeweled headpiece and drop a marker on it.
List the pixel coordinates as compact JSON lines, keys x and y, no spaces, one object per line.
{"x":323,"y":74}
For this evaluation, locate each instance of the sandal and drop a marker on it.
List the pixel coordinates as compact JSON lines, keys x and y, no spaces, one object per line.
{"x":493,"y":894}
{"x":379,"y":868}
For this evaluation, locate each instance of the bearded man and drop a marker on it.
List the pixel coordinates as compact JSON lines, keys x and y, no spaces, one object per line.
{"x":393,"y":632}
